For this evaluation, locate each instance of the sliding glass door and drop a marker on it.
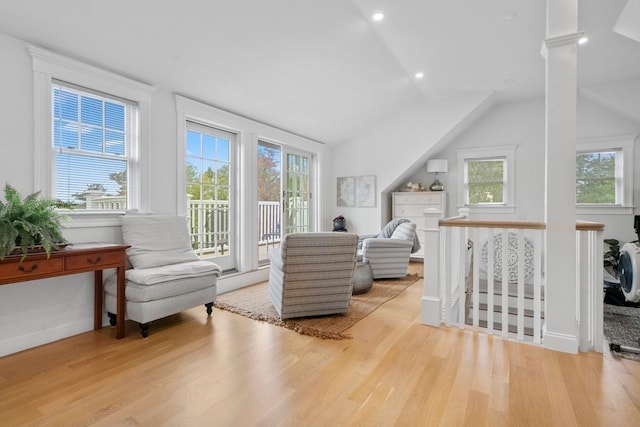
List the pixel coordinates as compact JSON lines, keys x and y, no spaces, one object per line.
{"x":210,"y":193}
{"x":284,"y":193}
{"x":297,"y":193}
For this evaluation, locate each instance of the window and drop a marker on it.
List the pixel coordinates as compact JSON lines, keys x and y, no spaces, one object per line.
{"x":596,"y":177}
{"x":208,"y":186}
{"x":269,"y":198}
{"x":91,"y":132}
{"x":93,"y":138}
{"x":604,"y":175}
{"x":200,"y":125}
{"x":485,"y":181}
{"x":487,"y":177}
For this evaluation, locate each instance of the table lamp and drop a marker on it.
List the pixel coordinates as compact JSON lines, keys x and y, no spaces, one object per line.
{"x":437,"y":165}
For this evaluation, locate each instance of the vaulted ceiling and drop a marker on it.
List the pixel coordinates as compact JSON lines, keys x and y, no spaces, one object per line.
{"x":325,"y":69}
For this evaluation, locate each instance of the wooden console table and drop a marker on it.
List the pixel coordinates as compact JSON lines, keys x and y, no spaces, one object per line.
{"x":74,"y":259}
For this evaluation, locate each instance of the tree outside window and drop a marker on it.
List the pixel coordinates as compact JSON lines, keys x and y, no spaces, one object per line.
{"x":486,"y":177}
{"x":92,"y":137}
{"x":268,"y":172}
{"x":596,"y":177}
{"x":486,"y":181}
{"x":208,"y":189}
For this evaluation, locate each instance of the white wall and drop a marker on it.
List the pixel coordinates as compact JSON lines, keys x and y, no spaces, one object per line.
{"x":621,"y":96}
{"x":37,"y":312}
{"x":395,"y":151}
{"x":595,"y":120}
{"x":395,"y":148}
{"x":522,"y":124}
{"x":16,"y":114}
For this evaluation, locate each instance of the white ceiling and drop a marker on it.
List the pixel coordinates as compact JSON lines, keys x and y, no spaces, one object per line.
{"x":322,"y":69}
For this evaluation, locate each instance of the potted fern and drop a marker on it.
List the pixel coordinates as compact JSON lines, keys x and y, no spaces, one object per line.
{"x":28,"y":225}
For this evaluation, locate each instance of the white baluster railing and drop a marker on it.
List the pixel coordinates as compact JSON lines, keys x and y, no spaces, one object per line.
{"x":466,"y":286}
{"x":589,"y":284}
{"x":269,"y":221}
{"x":497,"y":299}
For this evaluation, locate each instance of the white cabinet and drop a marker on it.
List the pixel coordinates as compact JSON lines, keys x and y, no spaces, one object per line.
{"x":411,"y":205}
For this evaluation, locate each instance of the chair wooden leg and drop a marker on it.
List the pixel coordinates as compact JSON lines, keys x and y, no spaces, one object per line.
{"x":209,"y":306}
{"x":144,"y":329}
{"x":112,"y":319}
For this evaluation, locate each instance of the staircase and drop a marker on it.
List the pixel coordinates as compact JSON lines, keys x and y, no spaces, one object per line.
{"x":457,"y":292}
{"x":512,"y":307}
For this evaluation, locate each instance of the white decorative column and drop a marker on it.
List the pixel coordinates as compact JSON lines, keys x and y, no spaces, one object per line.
{"x":560,"y":51}
{"x":431,"y":304}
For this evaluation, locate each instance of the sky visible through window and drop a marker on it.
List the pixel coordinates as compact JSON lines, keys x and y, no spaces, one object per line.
{"x":208,"y":162}
{"x":89,"y":135}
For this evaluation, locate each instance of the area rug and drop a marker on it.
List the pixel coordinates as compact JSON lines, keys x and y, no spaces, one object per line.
{"x":621,"y":325}
{"x":253,"y":302}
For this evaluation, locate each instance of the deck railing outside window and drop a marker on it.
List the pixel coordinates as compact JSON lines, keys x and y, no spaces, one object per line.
{"x":209,"y":222}
{"x":209,"y":225}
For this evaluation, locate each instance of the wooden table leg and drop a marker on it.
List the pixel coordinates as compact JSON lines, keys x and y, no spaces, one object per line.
{"x":120,"y":304}
{"x":97,"y":300}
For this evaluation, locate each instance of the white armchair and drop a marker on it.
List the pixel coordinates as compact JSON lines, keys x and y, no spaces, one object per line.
{"x":167,"y":276}
{"x":389,"y":256}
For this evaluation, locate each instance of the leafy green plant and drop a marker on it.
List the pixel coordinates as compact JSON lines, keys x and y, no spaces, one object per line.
{"x":612,"y":256}
{"x":28,"y":223}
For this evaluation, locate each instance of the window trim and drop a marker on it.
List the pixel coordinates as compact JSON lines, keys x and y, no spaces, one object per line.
{"x":49,"y":66}
{"x":249,"y":133}
{"x":227,"y":262}
{"x":210,"y":117}
{"x":625,"y":144}
{"x":506,"y":152}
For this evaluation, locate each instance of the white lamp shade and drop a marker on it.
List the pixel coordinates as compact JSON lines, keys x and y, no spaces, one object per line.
{"x":437,"y":165}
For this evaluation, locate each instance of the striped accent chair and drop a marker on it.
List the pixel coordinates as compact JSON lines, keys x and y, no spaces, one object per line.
{"x":389,"y":257}
{"x":312,"y":274}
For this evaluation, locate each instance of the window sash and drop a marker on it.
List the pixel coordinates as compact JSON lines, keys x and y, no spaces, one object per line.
{"x":99,"y":132}
{"x":609,"y":195}
{"x":49,"y":67}
{"x":210,"y":208}
{"x":470,"y":184}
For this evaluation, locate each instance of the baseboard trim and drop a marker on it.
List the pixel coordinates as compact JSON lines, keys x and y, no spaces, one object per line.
{"x":560,"y":342}
{"x":35,"y":339}
{"x":240,"y":280}
{"x":430,"y":311}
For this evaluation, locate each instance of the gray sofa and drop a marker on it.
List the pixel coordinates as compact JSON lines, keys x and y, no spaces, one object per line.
{"x":312,"y":274}
{"x":389,"y":256}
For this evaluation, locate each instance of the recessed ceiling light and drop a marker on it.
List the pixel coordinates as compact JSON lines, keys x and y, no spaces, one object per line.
{"x":419,"y":75}
{"x":583,"y":40}
{"x":378,"y":16}
{"x":509,"y":17}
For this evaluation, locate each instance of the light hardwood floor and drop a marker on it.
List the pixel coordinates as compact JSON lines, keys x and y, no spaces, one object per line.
{"x":232,"y":371}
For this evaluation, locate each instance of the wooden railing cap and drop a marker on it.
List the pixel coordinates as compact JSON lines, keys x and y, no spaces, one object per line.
{"x":589,"y":226}
{"x":458,"y":222}
{"x":529,"y":225}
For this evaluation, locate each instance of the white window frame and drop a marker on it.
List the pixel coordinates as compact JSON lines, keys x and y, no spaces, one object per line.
{"x":624,"y":144}
{"x":506,"y":153}
{"x":49,"y":66}
{"x":193,"y":111}
{"x":249,"y":132}
{"x":228,"y":261}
